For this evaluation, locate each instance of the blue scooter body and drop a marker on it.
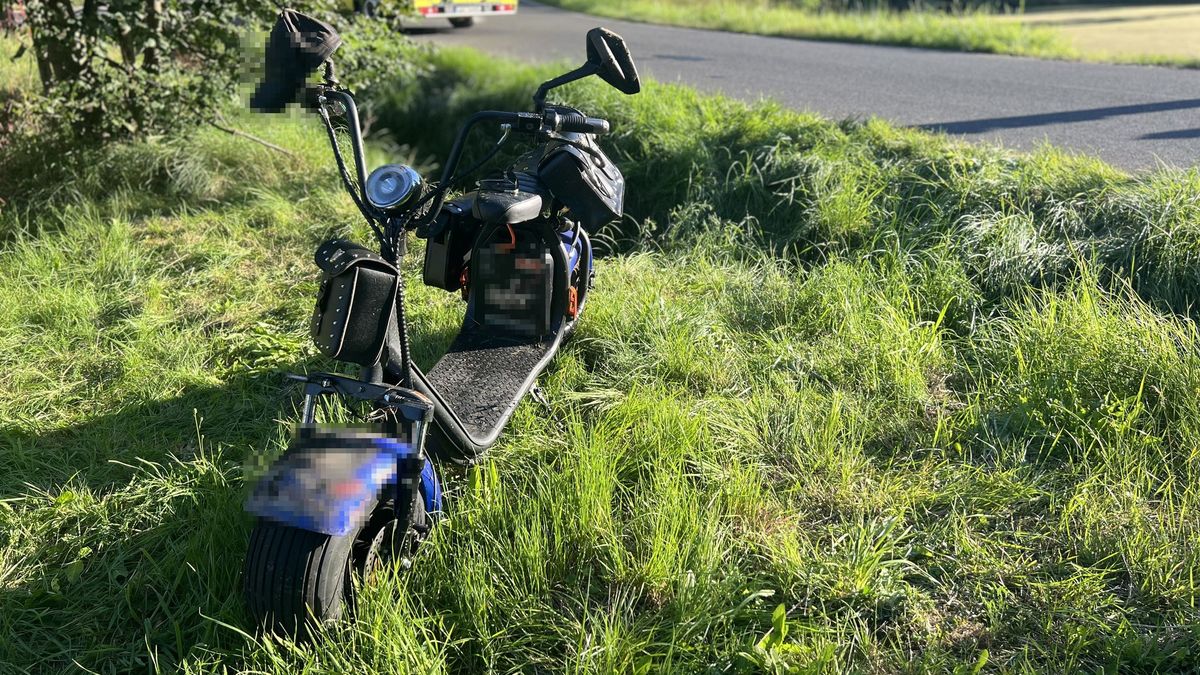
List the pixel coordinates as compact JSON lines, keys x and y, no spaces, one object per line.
{"x":331,"y":487}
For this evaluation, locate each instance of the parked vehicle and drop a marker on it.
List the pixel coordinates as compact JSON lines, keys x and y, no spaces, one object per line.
{"x":461,"y":13}
{"x":341,"y":503}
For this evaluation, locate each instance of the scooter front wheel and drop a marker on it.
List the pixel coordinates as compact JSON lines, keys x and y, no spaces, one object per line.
{"x":295,"y":578}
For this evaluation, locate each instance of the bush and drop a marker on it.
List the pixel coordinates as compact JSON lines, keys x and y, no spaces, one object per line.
{"x":136,"y":68}
{"x":129,"y":72}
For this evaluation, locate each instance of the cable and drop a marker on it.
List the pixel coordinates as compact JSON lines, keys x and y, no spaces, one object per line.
{"x":441,"y":189}
{"x":348,"y":182}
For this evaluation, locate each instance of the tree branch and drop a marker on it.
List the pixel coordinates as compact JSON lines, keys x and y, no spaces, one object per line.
{"x":250,"y":137}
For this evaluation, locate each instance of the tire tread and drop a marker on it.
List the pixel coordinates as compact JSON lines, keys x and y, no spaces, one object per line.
{"x":288,"y":575}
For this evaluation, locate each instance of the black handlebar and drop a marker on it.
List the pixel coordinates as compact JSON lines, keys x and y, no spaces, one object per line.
{"x":523,"y":122}
{"x":355,"y":129}
{"x":551,"y":121}
{"x":545,"y":124}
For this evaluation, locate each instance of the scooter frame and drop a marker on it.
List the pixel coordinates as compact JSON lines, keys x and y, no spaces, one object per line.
{"x":395,"y":382}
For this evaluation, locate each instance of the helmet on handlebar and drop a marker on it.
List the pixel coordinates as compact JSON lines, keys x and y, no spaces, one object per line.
{"x":298,"y":45}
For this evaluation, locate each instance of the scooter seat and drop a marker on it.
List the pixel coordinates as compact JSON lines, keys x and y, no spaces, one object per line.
{"x":506,"y":208}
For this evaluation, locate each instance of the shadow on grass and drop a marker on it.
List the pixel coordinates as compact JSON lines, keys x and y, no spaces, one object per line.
{"x":127,"y":531}
{"x":124,"y":535}
{"x":95,"y":455}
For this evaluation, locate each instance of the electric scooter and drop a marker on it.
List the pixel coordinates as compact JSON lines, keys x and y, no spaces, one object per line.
{"x":343,"y":502}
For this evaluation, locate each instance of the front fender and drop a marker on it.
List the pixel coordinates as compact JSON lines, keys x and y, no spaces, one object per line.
{"x":329,"y":481}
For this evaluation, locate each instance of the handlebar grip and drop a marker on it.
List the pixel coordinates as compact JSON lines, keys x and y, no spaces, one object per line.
{"x":310,"y":98}
{"x":581,"y":124}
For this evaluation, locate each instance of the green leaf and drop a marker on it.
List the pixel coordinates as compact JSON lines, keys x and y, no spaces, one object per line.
{"x":980,"y":662}
{"x":779,"y":621}
{"x":778,"y":632}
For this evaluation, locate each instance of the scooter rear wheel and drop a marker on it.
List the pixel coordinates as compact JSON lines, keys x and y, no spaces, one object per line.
{"x":296,"y":578}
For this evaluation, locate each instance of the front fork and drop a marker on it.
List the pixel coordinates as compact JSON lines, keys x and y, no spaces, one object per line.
{"x":410,"y":405}
{"x":411,"y":412}
{"x":312,"y":491}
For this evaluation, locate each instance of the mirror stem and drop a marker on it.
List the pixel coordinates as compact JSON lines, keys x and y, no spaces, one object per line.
{"x":539,"y":98}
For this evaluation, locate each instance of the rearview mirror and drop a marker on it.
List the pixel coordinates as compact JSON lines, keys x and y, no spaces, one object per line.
{"x":606,"y":51}
{"x":608,"y":57}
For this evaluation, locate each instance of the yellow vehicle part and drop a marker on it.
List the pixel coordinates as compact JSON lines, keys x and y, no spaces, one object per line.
{"x":447,"y":9}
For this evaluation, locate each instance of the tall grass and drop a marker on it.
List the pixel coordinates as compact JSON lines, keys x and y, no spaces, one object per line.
{"x":764,"y":178}
{"x":847,"y":398}
{"x":974,"y":30}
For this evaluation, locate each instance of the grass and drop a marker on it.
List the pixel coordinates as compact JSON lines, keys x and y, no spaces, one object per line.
{"x":16,"y":76}
{"x":936,"y":402}
{"x":971,"y":31}
{"x":19,"y":74}
{"x":1159,"y":33}
{"x":974,"y":30}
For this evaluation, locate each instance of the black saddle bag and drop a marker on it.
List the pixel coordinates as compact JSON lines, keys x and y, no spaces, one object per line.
{"x":355,"y":303}
{"x":449,"y":244}
{"x":587,"y":183}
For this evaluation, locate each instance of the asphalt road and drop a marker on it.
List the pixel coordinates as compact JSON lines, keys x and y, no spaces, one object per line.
{"x":1132,"y":116}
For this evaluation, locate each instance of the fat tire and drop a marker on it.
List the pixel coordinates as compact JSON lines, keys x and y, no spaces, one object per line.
{"x":294,"y":578}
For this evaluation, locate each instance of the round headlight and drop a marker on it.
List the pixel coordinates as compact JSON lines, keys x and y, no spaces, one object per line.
{"x":390,"y":186}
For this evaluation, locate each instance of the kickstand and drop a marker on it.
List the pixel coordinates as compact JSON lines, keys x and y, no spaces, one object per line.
{"x":539,"y":396}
